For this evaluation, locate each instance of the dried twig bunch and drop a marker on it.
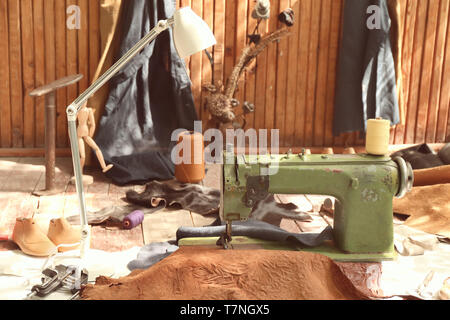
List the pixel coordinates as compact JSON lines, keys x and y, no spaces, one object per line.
{"x":221,"y":103}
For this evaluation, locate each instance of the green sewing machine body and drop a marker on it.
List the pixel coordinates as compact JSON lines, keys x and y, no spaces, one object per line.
{"x":364,"y":187}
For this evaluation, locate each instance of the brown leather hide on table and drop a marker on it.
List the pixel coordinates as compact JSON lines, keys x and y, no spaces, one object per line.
{"x":194,"y":273}
{"x":428,"y":208}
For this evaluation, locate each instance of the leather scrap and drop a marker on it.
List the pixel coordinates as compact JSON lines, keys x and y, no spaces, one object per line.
{"x":152,"y":254}
{"x":258,"y":230}
{"x":428,"y":208}
{"x":411,"y":242}
{"x":114,"y":214}
{"x":206,"y":201}
{"x":192,"y":197}
{"x":444,"y":293}
{"x":195,"y":198}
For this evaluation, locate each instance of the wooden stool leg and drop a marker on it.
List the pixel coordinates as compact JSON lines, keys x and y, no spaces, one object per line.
{"x":50,"y":141}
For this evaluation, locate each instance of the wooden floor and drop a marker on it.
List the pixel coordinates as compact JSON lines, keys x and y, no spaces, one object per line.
{"x":20,"y":177}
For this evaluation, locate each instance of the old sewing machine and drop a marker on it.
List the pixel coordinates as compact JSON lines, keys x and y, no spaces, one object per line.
{"x":364,"y":187}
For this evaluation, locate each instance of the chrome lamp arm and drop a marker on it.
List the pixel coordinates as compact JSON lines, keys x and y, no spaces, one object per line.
{"x":74,"y":108}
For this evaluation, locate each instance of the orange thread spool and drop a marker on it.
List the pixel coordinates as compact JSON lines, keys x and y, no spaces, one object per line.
{"x":194,"y":170}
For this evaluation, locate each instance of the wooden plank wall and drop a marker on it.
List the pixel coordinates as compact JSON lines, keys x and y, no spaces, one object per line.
{"x":424,"y":38}
{"x":292,"y":83}
{"x":37,"y":48}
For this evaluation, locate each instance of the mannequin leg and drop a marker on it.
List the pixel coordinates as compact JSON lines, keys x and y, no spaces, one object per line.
{"x":99,"y":154}
{"x":82,"y":153}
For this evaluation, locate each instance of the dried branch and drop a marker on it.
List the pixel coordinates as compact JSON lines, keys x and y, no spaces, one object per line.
{"x":248,"y":55}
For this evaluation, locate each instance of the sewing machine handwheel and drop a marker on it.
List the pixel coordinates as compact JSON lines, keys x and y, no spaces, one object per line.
{"x":406,"y":178}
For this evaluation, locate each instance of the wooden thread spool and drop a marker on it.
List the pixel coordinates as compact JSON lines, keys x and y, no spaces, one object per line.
{"x":192,"y":170}
{"x":378,"y":136}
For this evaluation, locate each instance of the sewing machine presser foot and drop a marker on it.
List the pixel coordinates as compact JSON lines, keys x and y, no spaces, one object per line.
{"x":226,"y":238}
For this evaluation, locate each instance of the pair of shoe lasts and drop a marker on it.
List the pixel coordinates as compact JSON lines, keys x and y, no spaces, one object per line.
{"x":34,"y":242}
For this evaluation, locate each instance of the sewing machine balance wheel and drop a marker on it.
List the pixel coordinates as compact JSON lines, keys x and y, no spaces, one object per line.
{"x":406,"y":177}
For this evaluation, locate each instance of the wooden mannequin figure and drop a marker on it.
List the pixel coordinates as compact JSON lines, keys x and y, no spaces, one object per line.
{"x":85,"y":131}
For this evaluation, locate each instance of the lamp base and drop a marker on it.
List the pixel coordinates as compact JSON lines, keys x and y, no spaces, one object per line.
{"x":87,"y":180}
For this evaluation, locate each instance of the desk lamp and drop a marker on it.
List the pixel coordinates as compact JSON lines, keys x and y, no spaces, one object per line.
{"x":191,"y":35}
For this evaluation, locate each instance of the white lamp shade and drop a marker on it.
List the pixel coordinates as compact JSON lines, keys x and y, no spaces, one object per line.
{"x":191,"y":34}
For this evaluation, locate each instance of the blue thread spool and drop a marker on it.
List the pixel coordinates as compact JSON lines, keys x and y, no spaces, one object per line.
{"x":133,"y":220}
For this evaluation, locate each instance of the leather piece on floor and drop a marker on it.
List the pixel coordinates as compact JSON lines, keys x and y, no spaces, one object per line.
{"x":192,"y":197}
{"x":114,"y":214}
{"x":217,"y":274}
{"x":152,"y":254}
{"x":428,"y":208}
{"x":205,"y":201}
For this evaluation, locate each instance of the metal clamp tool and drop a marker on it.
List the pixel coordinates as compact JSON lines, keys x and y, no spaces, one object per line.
{"x":71,"y":278}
